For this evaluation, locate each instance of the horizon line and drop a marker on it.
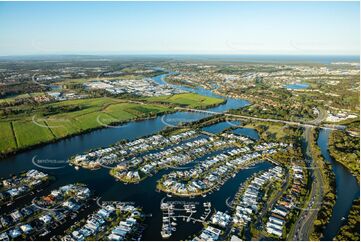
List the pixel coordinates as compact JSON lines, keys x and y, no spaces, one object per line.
{"x":177,"y":54}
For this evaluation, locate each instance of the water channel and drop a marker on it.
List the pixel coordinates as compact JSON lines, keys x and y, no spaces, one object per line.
{"x":144,"y":193}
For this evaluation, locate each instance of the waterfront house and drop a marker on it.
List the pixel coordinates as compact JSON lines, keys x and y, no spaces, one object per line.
{"x":4,"y":237}
{"x":210,"y":234}
{"x":14,"y":233}
{"x":26,"y":228}
{"x":45,"y":218}
{"x":221,"y":219}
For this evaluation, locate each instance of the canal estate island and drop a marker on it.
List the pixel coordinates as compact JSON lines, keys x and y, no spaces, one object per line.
{"x":166,"y":153}
{"x":120,"y":144}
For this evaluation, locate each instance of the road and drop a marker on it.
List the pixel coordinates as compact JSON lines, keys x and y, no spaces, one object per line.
{"x":304,"y":224}
{"x":322,"y":115}
{"x":313,"y":124}
{"x":274,"y":199}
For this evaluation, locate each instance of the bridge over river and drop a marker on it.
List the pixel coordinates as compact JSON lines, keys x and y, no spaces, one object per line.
{"x":306,"y":125}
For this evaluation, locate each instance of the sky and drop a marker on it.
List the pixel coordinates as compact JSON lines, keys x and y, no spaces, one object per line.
{"x":260,"y":28}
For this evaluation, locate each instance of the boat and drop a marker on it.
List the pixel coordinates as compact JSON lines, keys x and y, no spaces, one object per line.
{"x":206,"y":204}
{"x":76,"y":167}
{"x":45,"y":233}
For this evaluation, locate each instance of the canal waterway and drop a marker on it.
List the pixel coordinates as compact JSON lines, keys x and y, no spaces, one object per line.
{"x":297,"y":86}
{"x":106,"y":187}
{"x":144,"y":193}
{"x":347,"y":188}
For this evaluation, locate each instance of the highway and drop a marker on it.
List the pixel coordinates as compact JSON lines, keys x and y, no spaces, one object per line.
{"x":322,"y":115}
{"x":304,"y":224}
{"x":312,"y":124}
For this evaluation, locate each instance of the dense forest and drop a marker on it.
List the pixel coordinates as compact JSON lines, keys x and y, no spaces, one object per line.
{"x":346,"y":149}
{"x":351,"y":230}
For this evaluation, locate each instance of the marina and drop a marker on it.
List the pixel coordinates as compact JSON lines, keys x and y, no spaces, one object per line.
{"x":140,"y":192}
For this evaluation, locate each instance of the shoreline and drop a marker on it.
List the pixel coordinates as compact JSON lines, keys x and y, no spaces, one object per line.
{"x":19,"y":150}
{"x":23,"y":149}
{"x":161,"y":188}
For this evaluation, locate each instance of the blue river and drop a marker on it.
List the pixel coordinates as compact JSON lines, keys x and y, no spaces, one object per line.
{"x":144,"y":193}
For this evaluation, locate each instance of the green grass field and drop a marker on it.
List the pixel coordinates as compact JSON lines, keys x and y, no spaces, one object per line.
{"x":7,"y":141}
{"x":61,"y":119}
{"x":28,"y":133}
{"x":272,"y":128}
{"x":191,"y":100}
{"x":119,"y":111}
{"x":62,"y":127}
